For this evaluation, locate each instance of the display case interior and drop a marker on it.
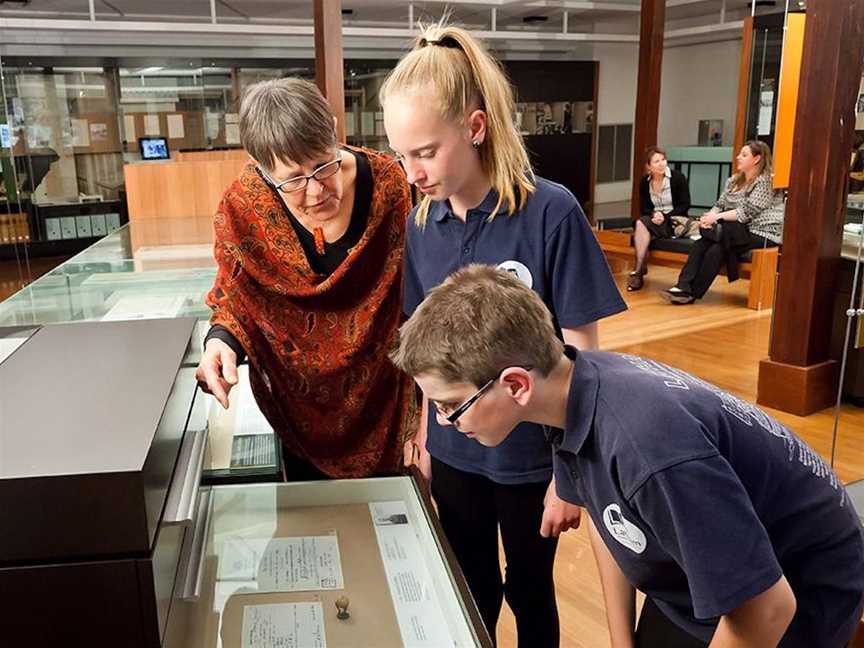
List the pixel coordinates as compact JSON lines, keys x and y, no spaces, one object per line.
{"x":336,"y":564}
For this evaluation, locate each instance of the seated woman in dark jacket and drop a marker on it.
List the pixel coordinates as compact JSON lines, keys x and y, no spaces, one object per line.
{"x":664,"y":199}
{"x":750,"y":215}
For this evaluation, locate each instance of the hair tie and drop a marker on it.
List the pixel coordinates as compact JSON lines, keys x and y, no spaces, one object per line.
{"x":443,"y":41}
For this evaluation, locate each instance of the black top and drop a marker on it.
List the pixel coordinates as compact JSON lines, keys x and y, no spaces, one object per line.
{"x":334,"y":253}
{"x":680,"y":195}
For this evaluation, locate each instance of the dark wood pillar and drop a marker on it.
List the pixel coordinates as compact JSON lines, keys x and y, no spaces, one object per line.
{"x":799,"y":377}
{"x":328,"y":58}
{"x":653,"y":16}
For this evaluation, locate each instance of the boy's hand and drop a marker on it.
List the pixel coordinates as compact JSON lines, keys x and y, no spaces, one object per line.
{"x":558,"y":515}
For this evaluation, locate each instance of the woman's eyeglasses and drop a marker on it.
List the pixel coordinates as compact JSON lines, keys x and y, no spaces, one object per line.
{"x":299,"y":183}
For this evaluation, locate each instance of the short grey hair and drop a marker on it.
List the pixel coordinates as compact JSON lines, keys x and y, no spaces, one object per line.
{"x":285,"y":119}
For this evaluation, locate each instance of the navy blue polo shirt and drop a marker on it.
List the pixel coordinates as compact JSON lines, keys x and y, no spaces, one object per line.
{"x":705,"y":501}
{"x":550,"y":246}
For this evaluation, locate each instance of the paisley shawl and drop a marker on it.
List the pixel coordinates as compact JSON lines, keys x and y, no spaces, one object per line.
{"x":317,"y":345}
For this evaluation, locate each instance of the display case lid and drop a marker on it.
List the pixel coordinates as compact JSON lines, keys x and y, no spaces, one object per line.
{"x":92,"y":416}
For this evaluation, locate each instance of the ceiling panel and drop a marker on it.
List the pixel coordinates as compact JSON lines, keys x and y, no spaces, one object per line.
{"x":390,"y":13}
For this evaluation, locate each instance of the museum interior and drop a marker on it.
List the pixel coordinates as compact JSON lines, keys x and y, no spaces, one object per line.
{"x":139,"y":512}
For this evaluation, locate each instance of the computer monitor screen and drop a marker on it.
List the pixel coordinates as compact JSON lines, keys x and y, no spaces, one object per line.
{"x":153,"y":148}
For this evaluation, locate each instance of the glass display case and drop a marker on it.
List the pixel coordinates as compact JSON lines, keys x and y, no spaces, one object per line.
{"x":336,"y":564}
{"x":130,"y":274}
{"x":326,"y":563}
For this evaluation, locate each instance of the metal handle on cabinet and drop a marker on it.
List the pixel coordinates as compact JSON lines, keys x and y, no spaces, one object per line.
{"x":194,"y":566}
{"x":183,"y":494}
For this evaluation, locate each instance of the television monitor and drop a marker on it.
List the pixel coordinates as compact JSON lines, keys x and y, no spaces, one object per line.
{"x":154,"y":148}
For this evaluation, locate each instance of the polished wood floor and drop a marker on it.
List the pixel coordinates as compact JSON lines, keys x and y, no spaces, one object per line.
{"x":721,"y":341}
{"x":15,"y":275}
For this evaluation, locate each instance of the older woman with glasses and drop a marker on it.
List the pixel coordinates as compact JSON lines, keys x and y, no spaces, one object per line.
{"x":309,"y":244}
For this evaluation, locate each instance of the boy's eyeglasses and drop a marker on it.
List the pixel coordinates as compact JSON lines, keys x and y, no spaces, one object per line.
{"x":453,"y":416}
{"x":298,"y":183}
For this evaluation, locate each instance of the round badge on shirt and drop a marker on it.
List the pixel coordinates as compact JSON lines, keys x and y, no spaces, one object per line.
{"x":518,"y":270}
{"x":624,"y":531}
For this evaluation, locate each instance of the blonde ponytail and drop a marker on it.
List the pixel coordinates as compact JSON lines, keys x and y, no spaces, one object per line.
{"x":459,"y":72}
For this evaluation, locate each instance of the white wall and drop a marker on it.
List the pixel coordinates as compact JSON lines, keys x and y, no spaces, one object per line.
{"x":616,"y":101}
{"x":699,"y":82}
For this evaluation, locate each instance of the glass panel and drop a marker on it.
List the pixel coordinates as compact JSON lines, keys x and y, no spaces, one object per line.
{"x":764,"y":77}
{"x":184,"y":105}
{"x":123,"y":276}
{"x":68,"y":133}
{"x":847,"y":345}
{"x":364,"y":119}
{"x":246,"y":76}
{"x":241,"y":441}
{"x":847,"y":336}
{"x":369,"y":541}
{"x":66,"y":167}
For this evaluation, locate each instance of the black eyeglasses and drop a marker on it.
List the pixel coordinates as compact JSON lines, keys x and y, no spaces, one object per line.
{"x":453,"y":416}
{"x":298,"y":183}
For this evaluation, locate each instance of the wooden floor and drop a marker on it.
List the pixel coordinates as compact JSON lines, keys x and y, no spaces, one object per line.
{"x":14,"y":275}
{"x":721,"y":341}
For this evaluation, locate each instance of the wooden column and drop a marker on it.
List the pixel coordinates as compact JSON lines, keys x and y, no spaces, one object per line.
{"x":653,"y":15}
{"x":743,"y":88}
{"x":799,"y":377}
{"x":328,"y":58}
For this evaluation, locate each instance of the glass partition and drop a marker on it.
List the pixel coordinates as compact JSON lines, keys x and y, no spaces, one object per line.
{"x":122,"y":276}
{"x":364,"y":118}
{"x":847,"y":339}
{"x":186,"y":105}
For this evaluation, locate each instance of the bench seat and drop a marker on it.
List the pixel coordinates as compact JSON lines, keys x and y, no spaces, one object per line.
{"x":759,"y":266}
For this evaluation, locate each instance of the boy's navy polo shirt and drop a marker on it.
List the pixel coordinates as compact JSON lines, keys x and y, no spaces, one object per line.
{"x":549,"y":245}
{"x":705,"y":501}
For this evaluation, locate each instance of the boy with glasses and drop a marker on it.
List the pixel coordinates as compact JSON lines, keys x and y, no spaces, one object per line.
{"x":738,"y":533}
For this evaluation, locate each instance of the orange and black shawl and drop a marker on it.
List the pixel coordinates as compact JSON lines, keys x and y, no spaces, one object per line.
{"x":317,"y":346}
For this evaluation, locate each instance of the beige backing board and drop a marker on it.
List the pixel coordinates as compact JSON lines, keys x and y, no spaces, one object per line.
{"x":373,"y":618}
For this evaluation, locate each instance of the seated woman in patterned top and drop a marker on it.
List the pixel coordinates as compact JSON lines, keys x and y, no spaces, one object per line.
{"x":749,"y":214}
{"x":309,"y":244}
{"x":664,"y":199}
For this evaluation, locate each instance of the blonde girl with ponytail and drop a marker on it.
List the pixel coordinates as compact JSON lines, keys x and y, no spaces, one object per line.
{"x":449,"y":115}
